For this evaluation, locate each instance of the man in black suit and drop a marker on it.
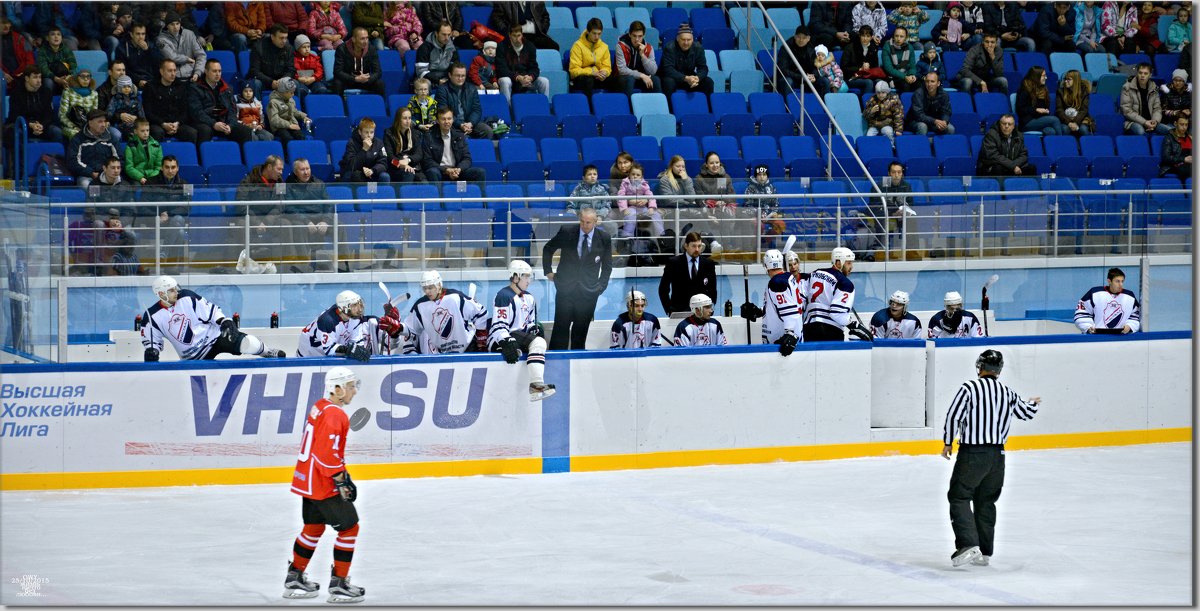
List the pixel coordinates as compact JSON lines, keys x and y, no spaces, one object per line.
{"x":445,"y":153}
{"x":686,"y":275}
{"x":584,"y":266}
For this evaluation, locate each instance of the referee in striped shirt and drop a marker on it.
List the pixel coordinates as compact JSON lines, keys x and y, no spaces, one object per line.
{"x":980,"y":416}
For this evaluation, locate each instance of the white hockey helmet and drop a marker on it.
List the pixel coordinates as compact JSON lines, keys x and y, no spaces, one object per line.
{"x":345,"y":299}
{"x":519,"y":268}
{"x":772,"y":259}
{"x":698,"y":301}
{"x":431,"y":278}
{"x":338,"y":376}
{"x":899,"y":297}
{"x":162,"y":284}
{"x":633,"y":296}
{"x":841,"y":253}
{"x":953,"y":298}
{"x":791,"y":257}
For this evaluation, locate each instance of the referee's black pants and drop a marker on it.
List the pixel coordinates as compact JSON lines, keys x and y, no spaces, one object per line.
{"x":821,"y":332}
{"x":977,"y":478}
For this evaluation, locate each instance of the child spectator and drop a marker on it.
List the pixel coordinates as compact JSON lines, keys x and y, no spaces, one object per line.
{"x":884,"y":112}
{"x":591,"y":187}
{"x":830,"y":70}
{"x":483,"y":69}
{"x":950,"y":29}
{"x":870,"y":12}
{"x":1118,"y":25}
{"x":931,"y":61}
{"x":638,"y":202}
{"x":1176,"y":97}
{"x":402,"y":27}
{"x":325,"y":26}
{"x":124,"y":109}
{"x":1146,"y":37}
{"x":761,"y":184}
{"x":423,"y":106}
{"x":285,"y":119}
{"x":143,"y":154}
{"x":1180,"y":32}
{"x":908,"y":16}
{"x":309,"y":69}
{"x":250,"y":113}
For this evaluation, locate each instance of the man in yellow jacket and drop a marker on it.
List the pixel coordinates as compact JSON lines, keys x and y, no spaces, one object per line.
{"x":591,"y":64}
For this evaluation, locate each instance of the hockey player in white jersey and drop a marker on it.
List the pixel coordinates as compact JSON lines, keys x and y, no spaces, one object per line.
{"x":894,"y":321}
{"x":444,"y":321}
{"x":636,"y":328}
{"x":338,"y":331}
{"x":828,"y":314}
{"x":515,"y":329}
{"x":700,"y":329}
{"x":384,"y":335}
{"x":195,"y":327}
{"x":954,"y":321}
{"x":1110,"y":308}
{"x":801,"y":280}
{"x":780,"y":310}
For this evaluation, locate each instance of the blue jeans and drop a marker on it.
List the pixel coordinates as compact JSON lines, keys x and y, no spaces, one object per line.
{"x":1084,"y":130}
{"x":1138,"y":130}
{"x":1047,"y":124}
{"x":922,"y":128}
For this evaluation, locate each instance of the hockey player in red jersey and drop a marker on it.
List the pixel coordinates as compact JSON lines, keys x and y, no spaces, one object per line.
{"x":327,"y":492}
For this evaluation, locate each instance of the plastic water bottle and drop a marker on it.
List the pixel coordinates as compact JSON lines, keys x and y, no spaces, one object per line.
{"x":728,"y":308}
{"x":137,"y":322}
{"x":274,"y":320}
{"x":237,"y":320}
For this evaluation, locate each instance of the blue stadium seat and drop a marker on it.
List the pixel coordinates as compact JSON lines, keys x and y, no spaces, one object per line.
{"x":560,"y":17}
{"x":524,"y":171}
{"x":685,"y":103}
{"x":684,"y":146}
{"x":517,"y":149}
{"x":846,"y":110}
{"x":396,"y":101}
{"x":600,"y":150}
{"x":760,"y":148}
{"x":909,"y":146}
{"x":641,"y":147}
{"x":746,"y":82}
{"x":1131,"y":146}
{"x":568,"y":104}
{"x":538,"y":127}
{"x":649,"y":103}
{"x":737,"y":124}
{"x":1102,"y":104}
{"x":497,"y":106}
{"x":482,"y":150}
{"x":717,"y":39}
{"x":798,"y":147}
{"x":619,"y":126}
{"x":584,"y":13}
{"x":658,"y":126}
{"x":218,"y":152}
{"x":365,"y":105}
{"x":625,"y":15}
{"x":699,"y":126}
{"x":1141,"y":166}
{"x":872,"y":147}
{"x":733,"y":60}
{"x":559,"y":149}
{"x":564,"y":169}
{"x":724,"y":103}
{"x":225,"y":173}
{"x":606,"y":104}
{"x":663,"y":18}
{"x":318,"y":105}
{"x":724,"y":146}
{"x":578,"y":127}
{"x":785,"y":18}
{"x":954,"y":145}
{"x":256,"y":151}
{"x":1098,"y":64}
{"x":331,"y":128}
{"x":184,"y":152}
{"x":921,"y":166}
{"x":1108,"y":167}
{"x":549,"y":59}
{"x":705,"y":18}
{"x":991,"y":105}
{"x":1096,"y":146}
{"x":766,"y":103}
{"x":1028,"y":59}
{"x":1165,"y":64}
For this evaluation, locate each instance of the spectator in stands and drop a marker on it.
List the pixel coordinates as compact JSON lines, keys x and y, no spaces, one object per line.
{"x":483,"y":69}
{"x":214,"y":107}
{"x":27,"y":99}
{"x":900,"y":62}
{"x":437,"y":54}
{"x":884,"y":113}
{"x":423,"y":106}
{"x":830,"y":70}
{"x":269,"y":230}
{"x":1118,"y":26}
{"x":1003,"y":151}
{"x":589,"y":65}
{"x":674,"y":180}
{"x":124,"y":107}
{"x":115,"y":21}
{"x":434,"y":12}
{"x":870,"y":13}
{"x":1074,"y":93}
{"x":637,"y":202}
{"x":1177,"y":97}
{"x":404,"y":148}
{"x":773,"y":223}
{"x":931,"y":61}
{"x":180,"y":44}
{"x":619,"y":171}
{"x":136,"y":55}
{"x":930,"y":110}
{"x":48,"y":17}
{"x":167,"y":186}
{"x":326,"y":27}
{"x":531,"y":17}
{"x":310,"y":71}
{"x":1185,"y":58}
{"x":1006,"y":20}
{"x":284,"y":118}
{"x":310,"y":221}
{"x":973,"y":25}
{"x":714,"y":181}
{"x":951,"y":30}
{"x":110,"y":188}
{"x":356,"y":65}
{"x":272,"y":58}
{"x":369,"y":16}
{"x":166,"y":102}
{"x":247,"y":23}
{"x":1180,"y":32}
{"x":908,"y":16}
{"x":800,"y":45}
{"x":78,"y":99}
{"x":366,"y":158}
{"x":116,"y":69}
{"x":831,"y":23}
{"x":1140,"y":104}
{"x":860,"y":61}
{"x":16,"y":53}
{"x":517,"y":68}
{"x":143,"y":154}
{"x":56,"y":61}
{"x":591,"y":186}
{"x":894,"y":182}
{"x":445,"y":153}
{"x":1087,"y":27}
{"x":983,"y":67}
{"x":1177,"y":150}
{"x":636,"y":65}
{"x":461,"y":98}
{"x":1146,"y":37}
{"x":250,"y":113}
{"x":91,"y":148}
{"x":684,"y":65}
{"x":402,"y":27}
{"x":1054,"y":28}
{"x":1033,"y":105}
{"x":290,"y":14}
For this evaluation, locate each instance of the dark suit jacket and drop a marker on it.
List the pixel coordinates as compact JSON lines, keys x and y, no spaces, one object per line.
{"x":589,"y":275}
{"x":675,"y":290}
{"x":432,"y":146}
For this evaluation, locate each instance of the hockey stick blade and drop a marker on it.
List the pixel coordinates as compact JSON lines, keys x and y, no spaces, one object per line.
{"x":471,"y":290}
{"x":787,"y":246}
{"x":399,"y":299}
{"x":386,"y":294}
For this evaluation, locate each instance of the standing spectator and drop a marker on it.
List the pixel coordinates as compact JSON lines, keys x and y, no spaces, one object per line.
{"x":884,"y":113}
{"x":1033,"y":105}
{"x":483,"y":69}
{"x":1146,"y":37}
{"x":584,"y":267}
{"x":830,"y":70}
{"x":930,"y":109}
{"x":637,"y":201}
{"x":445,"y":154}
{"x":134,"y":51}
{"x":1176,"y":97}
{"x":1177,"y":150}
{"x":1054,"y":28}
{"x":983,"y":68}
{"x":272,"y":58}
{"x":831,"y":23}
{"x":356,"y":65}
{"x":28,"y":99}
{"x":589,"y":66}
{"x":908,"y":16}
{"x":900,"y":62}
{"x":860,"y":61}
{"x":248,"y":23}
{"x":290,"y":14}
{"x":1087,"y":27}
{"x":325,"y":26}
{"x":683,"y":64}
{"x":124,"y":107}
{"x":15,"y":52}
{"x":56,"y":61}
{"x":79,"y":99}
{"x":1006,"y":20}
{"x":1140,"y":104}
{"x":423,"y":106}
{"x":437,"y":54}
{"x":517,"y":66}
{"x":459,"y":97}
{"x":404,"y":148}
{"x":636,"y":65}
{"x":143,"y":154}
{"x":284,"y":118}
{"x":619,"y":170}
{"x":869,"y":13}
{"x":403,"y":27}
{"x":91,"y":148}
{"x":531,"y":17}
{"x":166,"y":102}
{"x":369,"y":16}
{"x":931,"y":61}
{"x":973,"y":25}
{"x":310,"y":221}
{"x":951,"y":30}
{"x":310,"y":71}
{"x":789,"y":77}
{"x":687,"y":274}
{"x":1074,"y":93}
{"x":1118,"y":26}
{"x":250,"y":113}
{"x":1180,"y":32}
{"x":1003,"y":152}
{"x":894,"y":207}
{"x":214,"y":108}
{"x":182,"y":46}
{"x":366,"y":158}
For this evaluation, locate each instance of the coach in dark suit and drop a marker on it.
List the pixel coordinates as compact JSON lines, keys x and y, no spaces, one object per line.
{"x":584,"y":266}
{"x":686,"y":275}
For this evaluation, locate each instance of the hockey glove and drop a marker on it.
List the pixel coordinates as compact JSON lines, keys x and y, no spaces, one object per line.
{"x":950,"y":324}
{"x":229,"y":330}
{"x":151,"y":355}
{"x":481,"y":336}
{"x":390,"y":311}
{"x":358,"y":353}
{"x":510,"y":350}
{"x":751,"y":312}
{"x":787,"y":344}
{"x":345,"y":486}
{"x":858,"y":332}
{"x":391,"y":325}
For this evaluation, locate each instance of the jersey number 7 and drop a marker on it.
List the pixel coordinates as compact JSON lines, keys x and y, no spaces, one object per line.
{"x":818,"y":288}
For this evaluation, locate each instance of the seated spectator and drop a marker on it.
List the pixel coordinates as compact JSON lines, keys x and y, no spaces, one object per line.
{"x":908,"y":16}
{"x":110,"y":187}
{"x":1146,"y":38}
{"x":773,"y":224}
{"x":674,"y":180}
{"x":56,"y":61}
{"x":517,"y":68}
{"x":931,"y":61}
{"x":445,"y":154}
{"x":369,"y":16}
{"x":463,"y":100}
{"x":310,"y":70}
{"x":1177,"y":150}
{"x":290,"y":14}
{"x":247,"y":23}
{"x":831,"y":23}
{"x":884,"y":113}
{"x":619,"y":171}
{"x":1185,"y":58}
{"x":214,"y":108}
{"x":829,"y":70}
{"x":868,"y":13}
{"x":423,"y":106}
{"x":310,"y":220}
{"x":137,"y":56}
{"x":167,"y":186}
{"x":531,"y":17}
{"x":951,"y":31}
{"x":435,"y":57}
{"x":272,"y":58}
{"x":143,"y":154}
{"x":973,"y":25}
{"x":900,"y":62}
{"x":402,"y":28}
{"x":800,"y":45}
{"x":116,"y":69}
{"x":930,"y":110}
{"x":365,"y":159}
{"x":270,"y":231}
{"x":983,"y":68}
{"x":637,"y":202}
{"x":860,"y":61}
{"x":181,"y":45}
{"x":16,"y":53}
{"x":683,"y":64}
{"x":79,"y":99}
{"x":1087,"y":27}
{"x":1141,"y":105}
{"x":404,"y":148}
{"x":589,"y":66}
{"x":483,"y":69}
{"x":885,"y":213}
{"x":1033,"y":105}
{"x":1074,"y":94}
{"x":591,"y":186}
{"x":1176,"y":97}
{"x":636,"y":66}
{"x":716,"y":182}
{"x":27,"y":99}
{"x":284,"y":118}
{"x":1180,"y":32}
{"x":1054,"y":28}
{"x":1118,"y":26}
{"x":124,"y":261}
{"x":325,"y":26}
{"x":1006,"y":19}
{"x":1003,"y":152}
{"x":356,"y":65}
{"x":250,"y":113}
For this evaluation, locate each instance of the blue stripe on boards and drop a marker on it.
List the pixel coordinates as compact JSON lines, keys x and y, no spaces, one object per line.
{"x":556,"y":418}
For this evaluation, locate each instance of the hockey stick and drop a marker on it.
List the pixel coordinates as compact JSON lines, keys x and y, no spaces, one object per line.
{"x":990,"y":282}
{"x":870,"y":337}
{"x":471,"y":291}
{"x":399,"y":299}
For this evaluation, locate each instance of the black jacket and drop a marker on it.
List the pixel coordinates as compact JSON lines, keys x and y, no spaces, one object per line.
{"x":505,"y":14}
{"x":356,"y":157}
{"x":676,"y":288}
{"x":139,"y":64}
{"x":270,"y":63}
{"x":212,"y":105}
{"x":33,"y":106}
{"x":853,"y":58}
{"x":432,"y":147}
{"x":1013,"y":20}
{"x":347,"y":66}
{"x":87,"y":153}
{"x":464,"y":101}
{"x":157,"y":188}
{"x":509,"y":63}
{"x":828,"y":18}
{"x":677,"y":64}
{"x":588,"y":275}
{"x":1173,"y":154}
{"x":166,"y":104}
{"x":1046,"y":27}
{"x":414,"y":149}
{"x":433,"y":12}
{"x":805,"y":55}
{"x":997,"y":150}
{"x":925,"y":109}
{"x":313,"y":189}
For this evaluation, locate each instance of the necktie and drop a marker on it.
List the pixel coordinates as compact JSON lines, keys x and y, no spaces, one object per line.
{"x":693,"y":268}
{"x":587,"y":244}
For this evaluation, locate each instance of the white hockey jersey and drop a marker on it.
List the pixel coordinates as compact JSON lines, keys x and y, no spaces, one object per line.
{"x":443,"y":325}
{"x":377,"y":340}
{"x":1100,"y":308}
{"x":511,"y":312}
{"x":322,"y":336}
{"x":883,"y":326}
{"x":781,"y":308}
{"x":646,"y":333}
{"x":967,"y":327}
{"x":692,"y":332}
{"x":830,"y":298}
{"x":192,"y":325}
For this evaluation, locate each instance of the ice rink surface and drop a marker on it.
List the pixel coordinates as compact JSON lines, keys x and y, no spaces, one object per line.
{"x":1092,"y":526}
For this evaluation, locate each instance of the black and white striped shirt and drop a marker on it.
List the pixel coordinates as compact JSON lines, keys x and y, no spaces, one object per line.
{"x":982,"y":412}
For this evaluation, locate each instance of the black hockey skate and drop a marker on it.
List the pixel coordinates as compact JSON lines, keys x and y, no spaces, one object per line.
{"x":297,"y":584}
{"x":537,"y":392}
{"x":341,"y":591}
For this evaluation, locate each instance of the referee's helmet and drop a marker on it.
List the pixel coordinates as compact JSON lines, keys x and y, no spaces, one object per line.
{"x":990,"y":360}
